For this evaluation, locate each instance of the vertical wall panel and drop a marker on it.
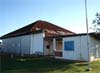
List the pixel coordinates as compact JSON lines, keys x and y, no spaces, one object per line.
{"x":36,"y":43}
{"x":17,"y":44}
{"x":4,"y":48}
{"x":25,"y":44}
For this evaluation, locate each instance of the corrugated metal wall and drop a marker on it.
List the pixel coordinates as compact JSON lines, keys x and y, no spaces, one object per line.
{"x":18,"y":45}
{"x":37,"y":43}
{"x":27,"y":44}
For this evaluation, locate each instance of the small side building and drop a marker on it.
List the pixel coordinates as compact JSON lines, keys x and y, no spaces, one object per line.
{"x":74,"y":47}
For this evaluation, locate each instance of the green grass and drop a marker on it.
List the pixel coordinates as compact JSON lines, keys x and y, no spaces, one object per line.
{"x":44,"y":65}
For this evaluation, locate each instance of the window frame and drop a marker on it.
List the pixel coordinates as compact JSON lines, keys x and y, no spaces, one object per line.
{"x":69,"y":45}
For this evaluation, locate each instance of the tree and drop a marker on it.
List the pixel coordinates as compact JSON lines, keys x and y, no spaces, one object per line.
{"x":96,"y":22}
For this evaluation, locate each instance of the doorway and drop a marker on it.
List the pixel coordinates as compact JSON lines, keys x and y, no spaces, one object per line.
{"x":48,"y":47}
{"x":58,"y":47}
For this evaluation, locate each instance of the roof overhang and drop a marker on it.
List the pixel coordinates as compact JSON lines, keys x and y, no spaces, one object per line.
{"x":21,"y":34}
{"x":94,"y":35}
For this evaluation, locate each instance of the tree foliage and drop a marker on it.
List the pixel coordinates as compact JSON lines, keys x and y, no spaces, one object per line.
{"x":96,"y":23}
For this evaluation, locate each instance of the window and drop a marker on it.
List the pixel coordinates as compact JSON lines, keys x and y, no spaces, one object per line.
{"x":69,"y":45}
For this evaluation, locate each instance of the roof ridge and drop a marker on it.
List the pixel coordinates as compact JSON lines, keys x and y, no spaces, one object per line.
{"x":56,"y":26}
{"x":39,"y":23}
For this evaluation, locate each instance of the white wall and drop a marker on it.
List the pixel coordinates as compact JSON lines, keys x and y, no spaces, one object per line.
{"x":17,"y":44}
{"x":4,"y":46}
{"x":80,"y":48}
{"x":95,"y":48}
{"x":26,"y":44}
{"x":48,"y":51}
{"x":37,"y":43}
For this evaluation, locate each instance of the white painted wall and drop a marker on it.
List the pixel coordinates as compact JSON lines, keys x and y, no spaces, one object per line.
{"x":80,"y":48}
{"x":95,"y":48}
{"x":17,"y":44}
{"x":48,"y":51}
{"x":37,"y":43}
{"x":4,"y":46}
{"x":26,"y":44}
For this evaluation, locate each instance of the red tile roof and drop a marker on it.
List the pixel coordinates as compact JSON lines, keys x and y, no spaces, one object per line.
{"x":36,"y":27}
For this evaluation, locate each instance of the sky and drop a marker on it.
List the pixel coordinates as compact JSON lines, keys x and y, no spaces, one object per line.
{"x":69,"y":14}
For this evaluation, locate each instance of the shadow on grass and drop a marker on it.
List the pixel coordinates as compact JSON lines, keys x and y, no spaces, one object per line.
{"x":35,"y":64}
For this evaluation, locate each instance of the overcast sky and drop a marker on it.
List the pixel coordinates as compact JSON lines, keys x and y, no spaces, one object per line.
{"x":69,"y":14}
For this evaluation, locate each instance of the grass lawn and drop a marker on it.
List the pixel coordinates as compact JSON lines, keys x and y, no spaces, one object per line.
{"x":44,"y":65}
